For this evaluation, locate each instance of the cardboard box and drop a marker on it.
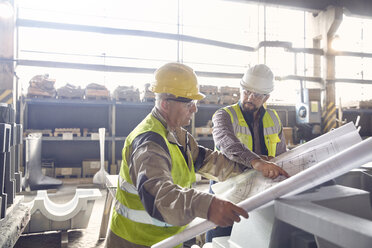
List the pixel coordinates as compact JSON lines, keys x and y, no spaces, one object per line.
{"x":114,"y":169}
{"x":230,"y":91}
{"x":209,"y":89}
{"x":68,"y":172}
{"x":203,"y":132}
{"x":210,"y":99}
{"x":288,"y":134}
{"x":90,"y":167}
{"x":47,"y":171}
{"x":227,"y":99}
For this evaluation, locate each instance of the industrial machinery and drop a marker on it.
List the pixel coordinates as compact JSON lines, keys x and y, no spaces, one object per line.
{"x":308,"y":113}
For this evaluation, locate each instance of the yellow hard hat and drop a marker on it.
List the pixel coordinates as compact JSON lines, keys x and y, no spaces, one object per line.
{"x":177,"y":79}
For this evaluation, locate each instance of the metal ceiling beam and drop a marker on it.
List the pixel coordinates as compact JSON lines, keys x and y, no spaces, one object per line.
{"x":111,"y":68}
{"x":296,"y":77}
{"x":133,"y":32}
{"x":360,"y":8}
{"x":143,"y":33}
{"x":128,"y":69}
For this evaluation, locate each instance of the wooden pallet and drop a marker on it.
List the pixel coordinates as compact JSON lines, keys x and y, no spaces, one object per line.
{"x":210,"y":99}
{"x":227,"y":99}
{"x":40,"y":96}
{"x":358,"y":105}
{"x":67,"y":172}
{"x":203,"y":132}
{"x":127,"y":98}
{"x":147,"y":96}
{"x":78,"y":181}
{"x":209,"y":89}
{"x":85,"y":132}
{"x":97,"y":94}
{"x":91,"y":97}
{"x":365,"y":104}
{"x":208,"y":102}
{"x":231,"y":91}
{"x":206,"y":92}
{"x":71,"y":97}
{"x":199,"y":135}
{"x":68,"y":176}
{"x":58,"y":132}
{"x":93,"y":135}
{"x":44,"y":132}
{"x":148,"y":99}
{"x":92,"y":132}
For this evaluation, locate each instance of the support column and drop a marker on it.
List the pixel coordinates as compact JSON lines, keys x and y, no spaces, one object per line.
{"x":6,"y":51}
{"x":325,"y":25}
{"x":7,"y":91}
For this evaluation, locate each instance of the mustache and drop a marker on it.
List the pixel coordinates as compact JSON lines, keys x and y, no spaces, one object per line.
{"x":251,"y":103}
{"x":247,"y":109}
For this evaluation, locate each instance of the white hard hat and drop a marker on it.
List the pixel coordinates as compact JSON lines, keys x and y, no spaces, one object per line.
{"x":258,"y":79}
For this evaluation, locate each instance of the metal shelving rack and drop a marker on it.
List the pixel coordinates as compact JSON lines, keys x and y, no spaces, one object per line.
{"x":40,"y":114}
{"x":119,"y":118}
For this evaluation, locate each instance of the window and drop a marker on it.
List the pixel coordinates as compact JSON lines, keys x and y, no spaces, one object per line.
{"x":147,"y":34}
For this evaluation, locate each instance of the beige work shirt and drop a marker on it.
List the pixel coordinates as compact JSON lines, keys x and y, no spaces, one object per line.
{"x":177,"y":205}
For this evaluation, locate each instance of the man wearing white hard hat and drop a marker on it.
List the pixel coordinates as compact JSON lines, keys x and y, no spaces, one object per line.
{"x":247,"y":132}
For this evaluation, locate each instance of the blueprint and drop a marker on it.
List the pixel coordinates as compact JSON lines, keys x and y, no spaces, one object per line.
{"x":252,"y":182}
{"x":349,"y":152}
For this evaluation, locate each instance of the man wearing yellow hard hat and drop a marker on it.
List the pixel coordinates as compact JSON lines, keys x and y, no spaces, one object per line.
{"x":247,"y":132}
{"x":154,"y":198}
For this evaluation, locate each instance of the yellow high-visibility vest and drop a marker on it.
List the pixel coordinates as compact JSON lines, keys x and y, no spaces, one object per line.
{"x":130,"y":220}
{"x":271,"y":128}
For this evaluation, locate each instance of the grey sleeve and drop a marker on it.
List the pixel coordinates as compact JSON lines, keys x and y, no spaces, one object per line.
{"x":227,"y":142}
{"x":281,"y":147}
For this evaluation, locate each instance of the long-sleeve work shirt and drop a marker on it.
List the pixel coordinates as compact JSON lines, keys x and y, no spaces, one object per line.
{"x":227,"y":142}
{"x":150,"y":165}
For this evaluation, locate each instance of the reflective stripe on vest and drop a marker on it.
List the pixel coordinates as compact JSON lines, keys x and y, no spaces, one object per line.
{"x":130,"y":220}
{"x":124,"y":185}
{"x":140,"y":216}
{"x":271,"y":128}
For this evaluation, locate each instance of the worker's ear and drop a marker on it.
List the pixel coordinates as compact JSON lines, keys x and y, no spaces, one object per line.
{"x":265,"y":99}
{"x":164,"y":104}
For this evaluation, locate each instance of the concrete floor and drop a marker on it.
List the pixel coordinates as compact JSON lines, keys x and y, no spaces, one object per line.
{"x":87,"y":238}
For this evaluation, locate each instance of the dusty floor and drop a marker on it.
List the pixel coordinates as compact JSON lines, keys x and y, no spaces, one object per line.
{"x":87,"y":238}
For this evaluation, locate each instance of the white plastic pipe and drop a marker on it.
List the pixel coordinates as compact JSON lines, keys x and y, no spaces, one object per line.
{"x":336,"y":165}
{"x":100,"y":176}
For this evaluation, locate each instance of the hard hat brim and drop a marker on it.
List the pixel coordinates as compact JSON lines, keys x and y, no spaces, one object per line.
{"x":192,"y":96}
{"x":255,"y":89}
{"x":198,"y":96}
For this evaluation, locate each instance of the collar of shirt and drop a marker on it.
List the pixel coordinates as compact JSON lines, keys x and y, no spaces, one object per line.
{"x":172,"y":136}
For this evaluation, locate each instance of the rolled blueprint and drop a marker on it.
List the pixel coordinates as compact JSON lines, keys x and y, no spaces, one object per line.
{"x":252,"y":182}
{"x":332,"y":167}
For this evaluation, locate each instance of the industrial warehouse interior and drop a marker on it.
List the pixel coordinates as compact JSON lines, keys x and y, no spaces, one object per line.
{"x":155,"y":123}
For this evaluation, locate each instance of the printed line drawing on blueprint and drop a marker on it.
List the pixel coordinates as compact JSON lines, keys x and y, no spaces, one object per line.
{"x":252,"y":182}
{"x":298,"y":163}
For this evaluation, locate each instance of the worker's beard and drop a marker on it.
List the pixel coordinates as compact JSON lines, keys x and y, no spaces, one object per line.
{"x":249,"y":107}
